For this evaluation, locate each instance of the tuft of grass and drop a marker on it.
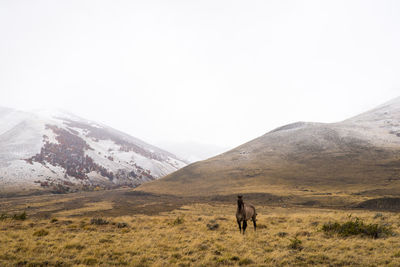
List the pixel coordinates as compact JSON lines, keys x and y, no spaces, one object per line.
{"x":295,"y":244}
{"x":261,"y":226}
{"x":104,"y":240}
{"x":178,"y":221}
{"x":98,"y":221}
{"x":122,"y":225}
{"x":282,"y":234}
{"x":357,"y":227}
{"x":245,"y":261}
{"x":212,"y":225}
{"x":75,"y":246}
{"x":234,"y":258}
{"x":89,"y":261}
{"x":41,"y":232}
{"x":21,"y":217}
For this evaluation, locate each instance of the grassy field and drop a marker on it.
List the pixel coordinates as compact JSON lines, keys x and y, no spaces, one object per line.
{"x":190,"y":235}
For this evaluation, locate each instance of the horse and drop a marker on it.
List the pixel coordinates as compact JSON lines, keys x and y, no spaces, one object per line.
{"x":245,"y":212}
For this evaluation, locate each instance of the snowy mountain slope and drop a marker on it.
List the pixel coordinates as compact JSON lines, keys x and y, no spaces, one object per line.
{"x":58,"y":151}
{"x":361,"y":153}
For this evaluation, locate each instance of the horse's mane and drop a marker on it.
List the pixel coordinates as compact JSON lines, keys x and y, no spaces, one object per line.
{"x":240,"y":203}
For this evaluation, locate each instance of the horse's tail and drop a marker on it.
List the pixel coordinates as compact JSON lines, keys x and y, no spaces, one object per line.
{"x":255,"y":213}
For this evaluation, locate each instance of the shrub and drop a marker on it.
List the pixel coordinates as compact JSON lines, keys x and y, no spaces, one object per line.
{"x":20,"y":217}
{"x":212,"y":226}
{"x":54,"y":220}
{"x":357,"y":227}
{"x":98,"y":221}
{"x":3,"y":217}
{"x":295,"y":244}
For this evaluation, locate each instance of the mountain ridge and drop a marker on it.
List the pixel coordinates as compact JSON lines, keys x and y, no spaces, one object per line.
{"x":360,"y":153}
{"x":61,"y":152}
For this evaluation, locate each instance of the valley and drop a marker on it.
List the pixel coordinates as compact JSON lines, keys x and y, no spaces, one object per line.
{"x":126,"y":228}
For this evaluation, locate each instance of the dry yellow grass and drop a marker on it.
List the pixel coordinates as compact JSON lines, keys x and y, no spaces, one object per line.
{"x":162,"y":240}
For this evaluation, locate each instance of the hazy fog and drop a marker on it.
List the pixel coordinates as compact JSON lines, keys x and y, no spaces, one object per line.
{"x":216,"y":72}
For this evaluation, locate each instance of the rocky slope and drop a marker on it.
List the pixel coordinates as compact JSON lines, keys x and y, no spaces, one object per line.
{"x":60,"y":152}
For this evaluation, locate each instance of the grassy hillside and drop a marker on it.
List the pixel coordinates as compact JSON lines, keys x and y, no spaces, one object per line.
{"x":326,"y":158}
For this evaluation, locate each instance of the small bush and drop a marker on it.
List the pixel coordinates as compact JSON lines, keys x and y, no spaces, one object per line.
{"x":41,"y":232}
{"x":303,"y":233}
{"x":222,"y":261}
{"x":246,"y":261}
{"x":122,"y":225}
{"x":295,"y":244}
{"x":3,"y":217}
{"x":234,"y":258}
{"x":178,"y":220}
{"x":176,"y":256}
{"x":20,"y":217}
{"x":357,"y":227}
{"x":103,"y":240}
{"x":98,"y":221}
{"x":261,"y":226}
{"x":203,"y":247}
{"x":54,"y":220}
{"x":75,"y":246}
{"x":282,"y":234}
{"x":212,"y":225}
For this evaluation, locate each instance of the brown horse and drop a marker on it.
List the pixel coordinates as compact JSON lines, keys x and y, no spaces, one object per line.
{"x":245,"y":212}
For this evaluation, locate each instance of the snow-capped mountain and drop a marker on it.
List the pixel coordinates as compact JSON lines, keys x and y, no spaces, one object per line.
{"x":358,"y":154}
{"x":58,"y":151}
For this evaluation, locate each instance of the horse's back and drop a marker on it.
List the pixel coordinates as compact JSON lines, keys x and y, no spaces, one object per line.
{"x":250,"y":211}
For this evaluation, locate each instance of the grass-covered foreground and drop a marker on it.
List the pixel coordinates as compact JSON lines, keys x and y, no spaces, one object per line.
{"x":203,"y":235}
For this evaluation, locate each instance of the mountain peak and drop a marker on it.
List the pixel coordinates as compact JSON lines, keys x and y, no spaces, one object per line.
{"x":361,"y":152}
{"x":51,"y":149}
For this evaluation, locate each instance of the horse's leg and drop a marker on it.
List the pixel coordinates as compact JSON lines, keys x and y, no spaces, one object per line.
{"x":244,"y":225}
{"x":240,"y":225}
{"x":254,"y":222}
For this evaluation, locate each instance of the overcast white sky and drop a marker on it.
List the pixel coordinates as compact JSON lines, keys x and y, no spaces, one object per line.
{"x":217,"y":72}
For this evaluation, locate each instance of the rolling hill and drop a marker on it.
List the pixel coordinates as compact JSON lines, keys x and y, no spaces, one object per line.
{"x":360,"y":155}
{"x":59,"y":152}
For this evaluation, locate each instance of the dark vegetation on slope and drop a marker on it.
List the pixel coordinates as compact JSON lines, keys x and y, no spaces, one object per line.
{"x":69,"y":153}
{"x":385,"y":203}
{"x":99,"y":133}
